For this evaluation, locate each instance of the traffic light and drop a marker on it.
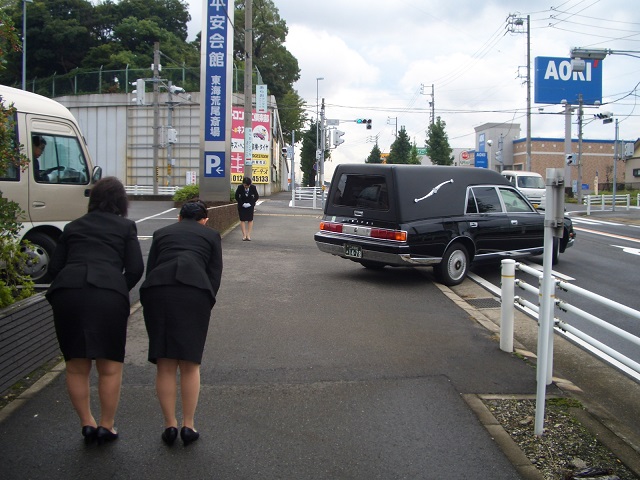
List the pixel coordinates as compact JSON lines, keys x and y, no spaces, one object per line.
{"x":364,"y":121}
{"x":140,"y":92}
{"x":606,"y":117}
{"x":337,"y":137}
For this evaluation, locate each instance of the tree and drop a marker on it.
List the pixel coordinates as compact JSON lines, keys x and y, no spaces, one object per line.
{"x":65,"y":35}
{"x":437,"y":143}
{"x":414,"y":158}
{"x":400,"y":149}
{"x":308,"y":156}
{"x":277,"y":66}
{"x":291,"y":112}
{"x":375,"y":156}
{"x":13,"y":283}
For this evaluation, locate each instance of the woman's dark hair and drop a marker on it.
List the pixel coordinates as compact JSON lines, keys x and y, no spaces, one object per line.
{"x":195,"y":209}
{"x":108,"y":195}
{"x":246,"y":181}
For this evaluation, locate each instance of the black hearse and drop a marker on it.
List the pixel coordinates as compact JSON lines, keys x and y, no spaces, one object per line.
{"x":444,"y":217}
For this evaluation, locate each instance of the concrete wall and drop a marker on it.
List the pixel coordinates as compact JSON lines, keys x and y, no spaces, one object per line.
{"x":119,"y":136}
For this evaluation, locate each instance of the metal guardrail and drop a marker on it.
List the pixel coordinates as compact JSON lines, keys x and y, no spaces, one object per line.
{"x":602,"y":200}
{"x":307,"y":193}
{"x":597,"y":347}
{"x":148,"y":190}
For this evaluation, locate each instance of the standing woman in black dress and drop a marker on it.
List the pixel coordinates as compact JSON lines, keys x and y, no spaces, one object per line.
{"x":96,"y":263}
{"x":246,"y":196}
{"x":183,"y":276}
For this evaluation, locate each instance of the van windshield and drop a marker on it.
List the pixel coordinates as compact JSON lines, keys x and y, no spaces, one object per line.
{"x":530,"y":182}
{"x":58,"y":159}
{"x":361,"y":191}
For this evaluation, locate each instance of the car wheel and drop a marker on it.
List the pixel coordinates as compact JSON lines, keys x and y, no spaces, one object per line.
{"x":454,"y":265}
{"x":372,"y":265}
{"x":40,"y":250}
{"x":555,"y":255}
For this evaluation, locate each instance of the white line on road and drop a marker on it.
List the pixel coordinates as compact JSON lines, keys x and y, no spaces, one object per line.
{"x":156,"y":215}
{"x":612,"y":235}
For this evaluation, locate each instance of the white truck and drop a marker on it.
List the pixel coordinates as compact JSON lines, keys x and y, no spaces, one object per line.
{"x":54,"y":188}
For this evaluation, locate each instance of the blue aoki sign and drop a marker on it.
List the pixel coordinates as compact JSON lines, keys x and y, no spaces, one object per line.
{"x":555,"y":81}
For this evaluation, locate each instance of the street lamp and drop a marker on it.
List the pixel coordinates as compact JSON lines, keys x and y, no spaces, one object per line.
{"x":578,"y":55}
{"x":24,"y":43}
{"x":318,"y":126}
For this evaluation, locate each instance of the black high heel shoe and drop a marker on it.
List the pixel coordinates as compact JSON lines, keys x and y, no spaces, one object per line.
{"x":188,"y":435}
{"x":105,"y":435}
{"x":89,"y":434}
{"x":169,"y":435}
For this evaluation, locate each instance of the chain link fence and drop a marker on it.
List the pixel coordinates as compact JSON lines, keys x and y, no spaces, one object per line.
{"x":123,"y":81}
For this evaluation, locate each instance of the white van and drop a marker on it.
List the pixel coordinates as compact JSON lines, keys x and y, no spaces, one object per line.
{"x":54,"y":188}
{"x":531,"y":184}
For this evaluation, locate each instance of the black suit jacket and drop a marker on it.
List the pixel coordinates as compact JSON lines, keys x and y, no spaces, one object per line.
{"x":242,"y":196}
{"x":98,"y":249}
{"x":185,"y":253}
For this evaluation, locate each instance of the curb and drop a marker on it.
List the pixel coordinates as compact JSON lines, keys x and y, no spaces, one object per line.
{"x":598,"y":428}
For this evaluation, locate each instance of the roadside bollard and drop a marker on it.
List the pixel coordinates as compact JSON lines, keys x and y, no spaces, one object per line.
{"x":508,"y":272}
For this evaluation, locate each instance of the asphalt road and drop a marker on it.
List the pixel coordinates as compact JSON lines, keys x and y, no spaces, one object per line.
{"x":604,"y":260}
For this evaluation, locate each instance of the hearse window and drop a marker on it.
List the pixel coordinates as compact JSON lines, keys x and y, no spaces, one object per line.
{"x":362,"y":191}
{"x":58,"y":159}
{"x":486,"y":200}
{"x":513,"y":202}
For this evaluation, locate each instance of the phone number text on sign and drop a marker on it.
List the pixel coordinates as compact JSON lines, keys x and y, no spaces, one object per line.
{"x":258,"y":175}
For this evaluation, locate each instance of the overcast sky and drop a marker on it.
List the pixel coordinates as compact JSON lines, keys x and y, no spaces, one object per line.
{"x":380,"y":58}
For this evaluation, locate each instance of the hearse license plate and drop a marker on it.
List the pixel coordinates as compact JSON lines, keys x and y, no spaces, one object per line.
{"x":354,"y":251}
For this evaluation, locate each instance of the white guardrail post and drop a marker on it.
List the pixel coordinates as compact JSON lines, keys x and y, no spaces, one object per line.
{"x":506,"y":307}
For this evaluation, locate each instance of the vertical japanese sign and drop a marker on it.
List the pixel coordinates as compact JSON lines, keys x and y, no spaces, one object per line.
{"x":216,"y":58}
{"x":261,"y":99}
{"x":260,"y":145}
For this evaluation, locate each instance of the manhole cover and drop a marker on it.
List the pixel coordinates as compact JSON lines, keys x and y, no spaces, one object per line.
{"x":484,"y":302}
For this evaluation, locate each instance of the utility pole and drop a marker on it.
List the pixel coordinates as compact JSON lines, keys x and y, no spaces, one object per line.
{"x":567,"y":142}
{"x":323,"y":143}
{"x":248,"y":88}
{"x":156,"y":114}
{"x":580,"y":149}
{"x":528,"y":94}
{"x":615,"y":169}
{"x":170,"y":162}
{"x":293,"y":168}
{"x":513,"y":25}
{"x":395,"y":123}
{"x":432,"y":105}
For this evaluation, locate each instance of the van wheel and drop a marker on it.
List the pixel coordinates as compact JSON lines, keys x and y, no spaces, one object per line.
{"x":454,"y":265}
{"x":372,"y":265}
{"x":40,"y":250}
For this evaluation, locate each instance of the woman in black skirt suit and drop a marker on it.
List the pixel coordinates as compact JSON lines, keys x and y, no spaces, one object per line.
{"x":95,"y":264}
{"x":183,"y":276}
{"x":246,"y":196}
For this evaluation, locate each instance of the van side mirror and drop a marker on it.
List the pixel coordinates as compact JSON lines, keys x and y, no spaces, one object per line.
{"x":96,"y":174}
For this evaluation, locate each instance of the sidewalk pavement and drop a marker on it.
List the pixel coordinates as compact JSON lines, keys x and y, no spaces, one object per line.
{"x":317,"y":369}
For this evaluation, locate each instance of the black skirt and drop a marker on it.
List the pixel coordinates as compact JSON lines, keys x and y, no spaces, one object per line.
{"x":177,"y":321}
{"x":245,"y":214}
{"x":90,"y":322}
